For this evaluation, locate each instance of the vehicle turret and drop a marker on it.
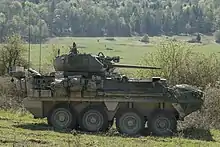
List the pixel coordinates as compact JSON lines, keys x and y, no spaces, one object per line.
{"x":88,"y":64}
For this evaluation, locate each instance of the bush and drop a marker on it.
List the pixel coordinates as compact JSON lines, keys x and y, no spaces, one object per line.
{"x":217,"y":36}
{"x":145,"y":38}
{"x":10,"y":97}
{"x":111,"y":39}
{"x":11,"y":54}
{"x":208,"y":117}
{"x":181,"y":65}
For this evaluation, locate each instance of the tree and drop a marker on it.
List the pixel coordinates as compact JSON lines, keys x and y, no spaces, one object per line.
{"x":217,"y":36}
{"x":11,"y":54}
{"x":116,"y":18}
{"x":188,"y":28}
{"x":198,"y":38}
{"x":145,"y":38}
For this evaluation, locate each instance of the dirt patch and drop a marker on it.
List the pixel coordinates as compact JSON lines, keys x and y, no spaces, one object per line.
{"x":3,"y":118}
{"x":110,"y":39}
{"x":135,"y":45}
{"x":7,"y":141}
{"x":38,"y":141}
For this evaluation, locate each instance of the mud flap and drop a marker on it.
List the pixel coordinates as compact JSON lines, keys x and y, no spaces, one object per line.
{"x":180,"y":110}
{"x":185,"y":109}
{"x":35,"y":107}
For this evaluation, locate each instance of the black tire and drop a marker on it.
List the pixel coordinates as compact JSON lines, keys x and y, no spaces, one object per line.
{"x":62,"y":117}
{"x":96,"y":114}
{"x":132,"y":116}
{"x":162,"y":123}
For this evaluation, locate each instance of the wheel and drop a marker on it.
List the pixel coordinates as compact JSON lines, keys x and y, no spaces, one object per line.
{"x":93,"y":119}
{"x":129,"y":122}
{"x":162,"y":123}
{"x":62,"y":118}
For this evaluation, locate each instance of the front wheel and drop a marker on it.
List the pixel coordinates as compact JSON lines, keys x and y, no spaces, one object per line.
{"x":162,"y":123}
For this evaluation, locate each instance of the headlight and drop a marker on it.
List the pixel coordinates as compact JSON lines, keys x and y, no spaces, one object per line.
{"x":197,"y":94}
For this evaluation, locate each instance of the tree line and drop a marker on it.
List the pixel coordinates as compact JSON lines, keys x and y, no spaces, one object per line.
{"x":58,"y":18}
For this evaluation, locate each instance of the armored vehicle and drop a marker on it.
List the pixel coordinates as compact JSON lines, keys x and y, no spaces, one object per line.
{"x":86,"y":93}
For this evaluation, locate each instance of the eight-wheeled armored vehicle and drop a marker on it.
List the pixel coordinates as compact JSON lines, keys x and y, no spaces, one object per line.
{"x":85,"y":92}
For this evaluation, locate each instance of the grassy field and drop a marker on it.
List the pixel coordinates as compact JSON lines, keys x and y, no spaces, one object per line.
{"x":21,"y":129}
{"x":131,"y":50}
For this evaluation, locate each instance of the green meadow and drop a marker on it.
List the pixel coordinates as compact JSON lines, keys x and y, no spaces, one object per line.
{"x":131,"y":50}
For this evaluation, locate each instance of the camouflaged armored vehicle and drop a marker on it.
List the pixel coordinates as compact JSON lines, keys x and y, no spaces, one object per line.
{"x":86,"y":93}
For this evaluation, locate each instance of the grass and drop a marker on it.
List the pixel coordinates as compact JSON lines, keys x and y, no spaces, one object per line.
{"x":22,"y":130}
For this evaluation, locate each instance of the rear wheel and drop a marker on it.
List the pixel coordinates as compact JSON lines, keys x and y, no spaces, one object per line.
{"x":129,"y":122}
{"x":162,"y":123}
{"x":62,"y":118}
{"x":93,"y":119}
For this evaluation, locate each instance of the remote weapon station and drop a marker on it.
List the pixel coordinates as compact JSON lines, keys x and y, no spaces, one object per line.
{"x":86,"y":93}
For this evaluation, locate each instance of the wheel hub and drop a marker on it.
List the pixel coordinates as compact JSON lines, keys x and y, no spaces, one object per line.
{"x":162,"y":124}
{"x":92,"y":120}
{"x":61,"y":117}
{"x":130,"y":123}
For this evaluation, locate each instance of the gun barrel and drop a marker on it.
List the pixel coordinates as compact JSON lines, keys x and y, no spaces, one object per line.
{"x":134,"y":66}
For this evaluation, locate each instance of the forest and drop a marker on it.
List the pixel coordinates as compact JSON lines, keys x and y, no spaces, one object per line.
{"x":96,"y":18}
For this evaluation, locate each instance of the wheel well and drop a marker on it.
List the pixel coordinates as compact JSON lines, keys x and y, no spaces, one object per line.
{"x":63,"y":104}
{"x":170,"y":111}
{"x":177,"y":115}
{"x":50,"y":106}
{"x":124,"y":107}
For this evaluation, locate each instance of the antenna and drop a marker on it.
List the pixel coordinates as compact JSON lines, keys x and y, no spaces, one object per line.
{"x":29,"y":35}
{"x":40,"y":47}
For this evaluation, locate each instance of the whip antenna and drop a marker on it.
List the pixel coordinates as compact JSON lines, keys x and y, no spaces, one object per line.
{"x":40,"y":47}
{"x":29,"y":36}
